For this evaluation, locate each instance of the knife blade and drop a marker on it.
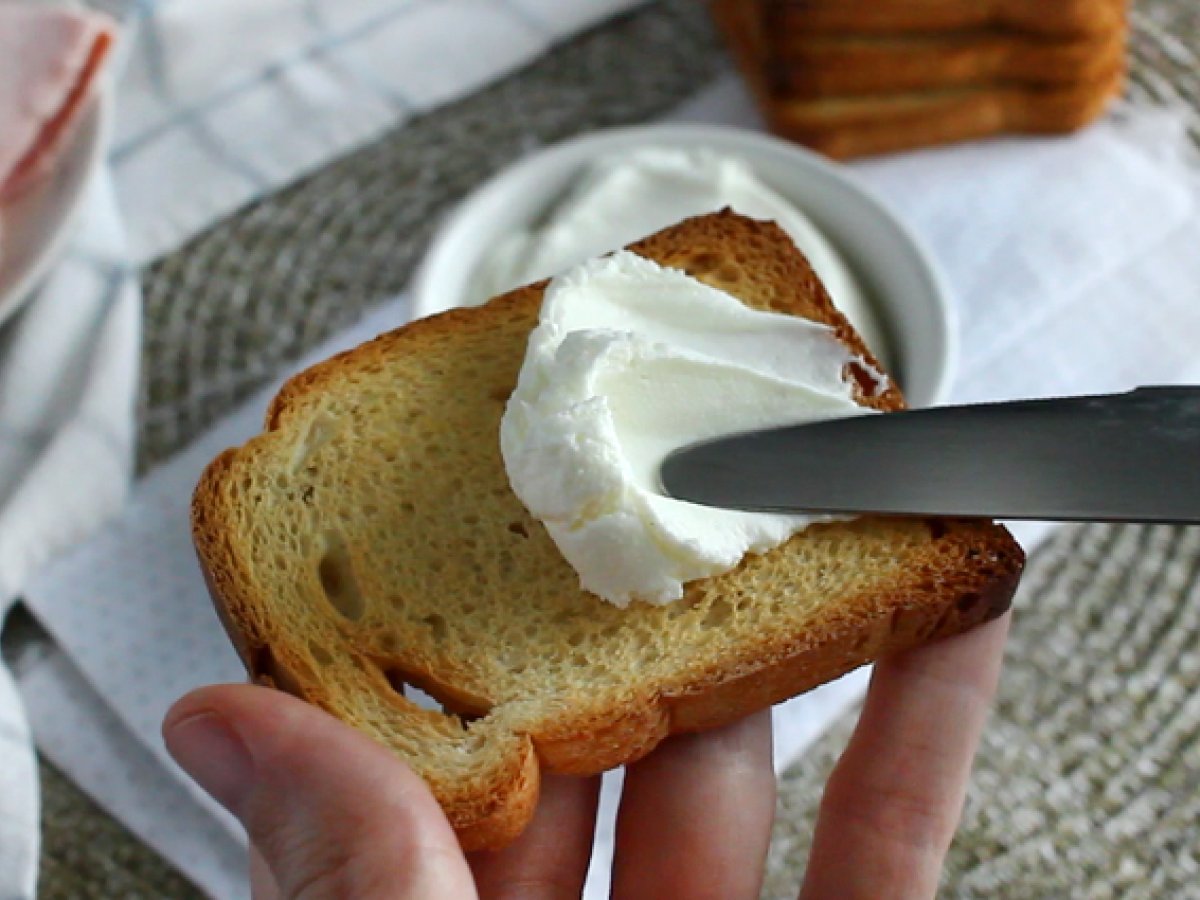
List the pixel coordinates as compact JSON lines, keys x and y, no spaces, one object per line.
{"x":1132,"y":457}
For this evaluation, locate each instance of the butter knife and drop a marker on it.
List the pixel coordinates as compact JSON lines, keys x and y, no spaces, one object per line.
{"x":1132,"y":457}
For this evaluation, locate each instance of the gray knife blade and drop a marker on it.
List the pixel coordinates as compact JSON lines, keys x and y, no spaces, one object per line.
{"x":1132,"y":457}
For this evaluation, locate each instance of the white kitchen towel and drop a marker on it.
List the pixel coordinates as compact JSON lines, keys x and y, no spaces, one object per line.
{"x":1077,"y":253}
{"x":68,"y":379}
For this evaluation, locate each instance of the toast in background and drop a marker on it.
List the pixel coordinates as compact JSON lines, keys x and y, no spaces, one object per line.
{"x":369,"y":541}
{"x":860,"y":95}
{"x":1070,"y":18}
{"x":865,"y":126}
{"x":836,"y":65}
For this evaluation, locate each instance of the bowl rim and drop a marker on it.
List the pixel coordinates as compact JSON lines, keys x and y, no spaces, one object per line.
{"x":439,"y":256}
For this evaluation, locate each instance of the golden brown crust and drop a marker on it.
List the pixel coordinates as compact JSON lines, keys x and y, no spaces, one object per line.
{"x":889,"y":102}
{"x":882,"y":625}
{"x":962,"y":573}
{"x":811,"y":68}
{"x":1057,"y":18}
{"x":868,"y":126}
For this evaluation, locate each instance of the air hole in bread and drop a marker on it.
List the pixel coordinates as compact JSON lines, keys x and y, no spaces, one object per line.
{"x":703,"y":263}
{"x":937,"y":528}
{"x":518,"y":528}
{"x":397,"y":680}
{"x":338,"y":580}
{"x":868,"y":384}
{"x":320,"y":655}
{"x":388,"y":642}
{"x":437,"y":626}
{"x":321,"y":429}
{"x":414,"y":687}
{"x":718,"y":614}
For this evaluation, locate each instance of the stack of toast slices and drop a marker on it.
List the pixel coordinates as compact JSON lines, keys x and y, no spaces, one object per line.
{"x":368,"y":543}
{"x":857,"y":79}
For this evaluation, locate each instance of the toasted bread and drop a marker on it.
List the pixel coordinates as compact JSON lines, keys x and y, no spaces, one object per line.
{"x":809,"y":68}
{"x":1056,"y":17}
{"x":369,"y":540}
{"x":863,"y":126}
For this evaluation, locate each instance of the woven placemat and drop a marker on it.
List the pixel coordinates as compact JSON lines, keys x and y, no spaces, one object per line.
{"x":1088,"y":779}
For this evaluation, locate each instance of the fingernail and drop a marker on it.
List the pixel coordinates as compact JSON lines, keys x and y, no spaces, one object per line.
{"x":209,"y":750}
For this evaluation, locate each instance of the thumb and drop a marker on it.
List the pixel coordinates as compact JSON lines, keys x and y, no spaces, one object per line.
{"x":333,"y":813}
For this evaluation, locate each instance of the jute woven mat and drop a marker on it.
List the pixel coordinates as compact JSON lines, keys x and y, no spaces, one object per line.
{"x":1088,"y":783}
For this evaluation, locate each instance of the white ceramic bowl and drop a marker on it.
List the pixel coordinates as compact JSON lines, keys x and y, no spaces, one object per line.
{"x":38,"y":223}
{"x":896,"y":273}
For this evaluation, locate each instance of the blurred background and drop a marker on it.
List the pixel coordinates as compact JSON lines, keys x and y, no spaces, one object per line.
{"x":195,"y":197}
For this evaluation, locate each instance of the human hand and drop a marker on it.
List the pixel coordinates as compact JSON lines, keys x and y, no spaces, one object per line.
{"x":331,"y":813}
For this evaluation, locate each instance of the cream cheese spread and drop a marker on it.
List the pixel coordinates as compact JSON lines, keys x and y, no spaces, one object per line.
{"x":629,"y":361}
{"x":627,"y":197}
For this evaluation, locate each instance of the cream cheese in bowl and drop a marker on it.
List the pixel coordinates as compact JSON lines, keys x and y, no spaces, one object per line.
{"x":916,"y":338}
{"x":623,"y":197}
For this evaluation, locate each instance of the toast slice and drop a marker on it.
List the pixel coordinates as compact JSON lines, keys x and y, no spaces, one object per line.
{"x":1056,"y":17}
{"x":849,"y":126}
{"x":369,"y":541}
{"x":809,"y":68}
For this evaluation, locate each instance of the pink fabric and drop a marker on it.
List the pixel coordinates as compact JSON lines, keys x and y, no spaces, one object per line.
{"x":49,"y":59}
